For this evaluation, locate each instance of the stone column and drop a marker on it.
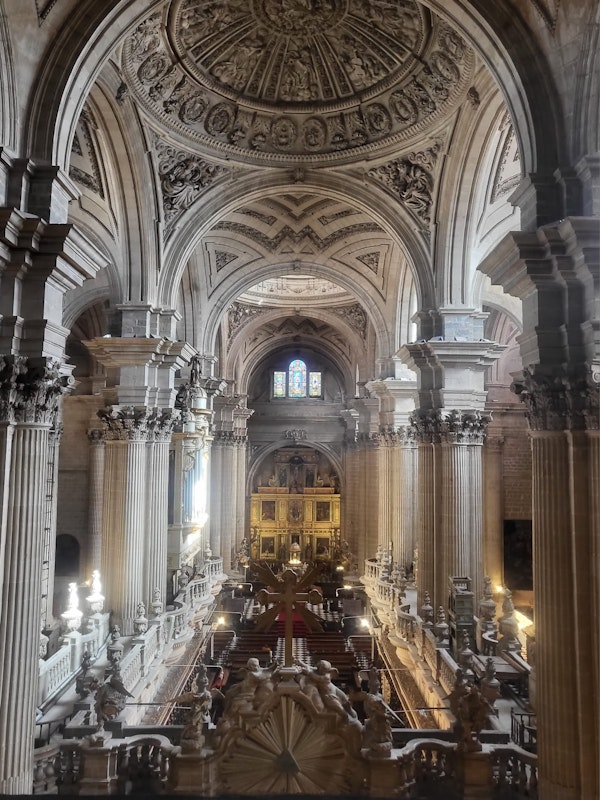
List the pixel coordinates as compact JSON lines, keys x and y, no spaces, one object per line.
{"x":30,"y":392}
{"x":227,"y":487}
{"x":216,"y":497}
{"x":95,"y":499}
{"x":462,"y":498}
{"x":126,"y":494}
{"x":556,"y":272}
{"x":493,"y":510}
{"x":49,"y":551}
{"x":385,"y":489}
{"x":408,"y":498}
{"x":155,"y":572}
{"x":426,"y":429}
{"x":240,"y":500}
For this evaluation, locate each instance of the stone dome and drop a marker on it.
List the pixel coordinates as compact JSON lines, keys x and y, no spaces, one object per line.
{"x":288,"y":79}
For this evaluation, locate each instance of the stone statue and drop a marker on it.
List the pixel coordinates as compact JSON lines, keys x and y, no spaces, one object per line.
{"x":473,"y":712}
{"x":377,"y":737}
{"x":325,"y":695}
{"x":256,"y":687}
{"x":199,"y":699}
{"x":110,"y":698}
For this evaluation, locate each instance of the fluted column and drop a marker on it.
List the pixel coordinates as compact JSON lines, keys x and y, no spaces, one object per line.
{"x":155,"y":572}
{"x":553,"y":588}
{"x":370,"y":494}
{"x":240,"y":492}
{"x":407,"y":499}
{"x":29,"y":400}
{"x":385,"y":490}
{"x":216,"y":497}
{"x":462,"y":498}
{"x":493,"y":509}
{"x":426,"y":430}
{"x":95,"y":499}
{"x":593,"y":482}
{"x":228,"y":489}
{"x":124,"y":512}
{"x":555,"y":270}
{"x":49,"y":550}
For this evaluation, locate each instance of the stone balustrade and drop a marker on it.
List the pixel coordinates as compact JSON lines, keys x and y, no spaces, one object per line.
{"x":60,"y":669}
{"x":140,"y":762}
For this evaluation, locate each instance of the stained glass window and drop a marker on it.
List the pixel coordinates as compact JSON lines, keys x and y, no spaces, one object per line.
{"x":314,"y":384}
{"x":279,"y":384}
{"x":297,"y":379}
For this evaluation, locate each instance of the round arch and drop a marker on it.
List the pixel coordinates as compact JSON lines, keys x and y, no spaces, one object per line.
{"x":235,"y":289}
{"x":261,"y":353}
{"x":261,"y":452}
{"x":224,"y":197}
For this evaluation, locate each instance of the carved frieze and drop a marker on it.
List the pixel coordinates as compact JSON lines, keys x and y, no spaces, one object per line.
{"x":411,"y":180}
{"x":184,"y":178}
{"x":294,"y":237}
{"x":242,"y":78}
{"x":354,"y":315}
{"x":239,"y":314}
{"x":31,"y":392}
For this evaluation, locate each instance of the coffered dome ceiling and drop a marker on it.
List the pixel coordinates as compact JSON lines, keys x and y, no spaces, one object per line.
{"x":288,"y":79}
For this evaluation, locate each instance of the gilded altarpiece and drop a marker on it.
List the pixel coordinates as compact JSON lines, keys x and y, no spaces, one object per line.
{"x":298,"y":503}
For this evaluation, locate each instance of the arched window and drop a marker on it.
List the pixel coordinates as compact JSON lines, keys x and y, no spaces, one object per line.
{"x":297,"y":381}
{"x":297,"y":378}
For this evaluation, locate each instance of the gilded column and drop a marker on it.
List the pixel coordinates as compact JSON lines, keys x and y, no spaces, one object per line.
{"x":30,"y":393}
{"x":124,"y":511}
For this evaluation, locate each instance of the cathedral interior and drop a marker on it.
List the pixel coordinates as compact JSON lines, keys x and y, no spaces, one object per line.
{"x":299,"y":398}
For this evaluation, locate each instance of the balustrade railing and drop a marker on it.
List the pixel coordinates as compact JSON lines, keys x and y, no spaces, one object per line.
{"x":58,"y":671}
{"x":514,"y":772}
{"x":146,"y":764}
